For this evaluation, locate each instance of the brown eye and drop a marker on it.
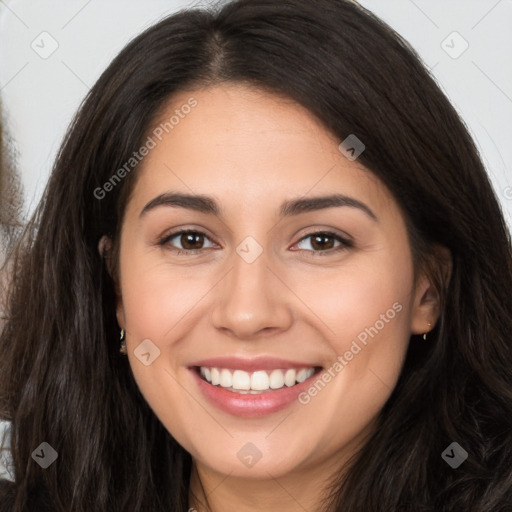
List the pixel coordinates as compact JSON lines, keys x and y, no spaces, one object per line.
{"x":190,"y":241}
{"x":323,"y":243}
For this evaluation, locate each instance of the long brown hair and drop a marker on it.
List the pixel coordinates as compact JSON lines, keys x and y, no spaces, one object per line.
{"x":62,"y":379}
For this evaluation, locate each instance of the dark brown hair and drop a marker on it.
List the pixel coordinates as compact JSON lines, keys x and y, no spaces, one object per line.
{"x":62,"y":379}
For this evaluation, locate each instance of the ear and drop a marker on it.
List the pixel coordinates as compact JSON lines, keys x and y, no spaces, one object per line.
{"x":427,"y":299}
{"x":105,"y":250}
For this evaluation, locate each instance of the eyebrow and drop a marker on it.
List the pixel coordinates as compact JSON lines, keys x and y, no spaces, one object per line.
{"x":208,"y":205}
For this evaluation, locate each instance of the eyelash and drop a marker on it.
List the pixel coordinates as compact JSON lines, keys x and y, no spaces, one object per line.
{"x":345,"y":244}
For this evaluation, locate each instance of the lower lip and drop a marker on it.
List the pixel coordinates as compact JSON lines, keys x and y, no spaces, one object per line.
{"x":251,"y":406}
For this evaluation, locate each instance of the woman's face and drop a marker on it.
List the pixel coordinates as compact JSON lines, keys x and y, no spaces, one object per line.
{"x":271,"y":285}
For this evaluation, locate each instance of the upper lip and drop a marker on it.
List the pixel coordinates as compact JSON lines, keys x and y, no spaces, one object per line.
{"x":251,"y":365}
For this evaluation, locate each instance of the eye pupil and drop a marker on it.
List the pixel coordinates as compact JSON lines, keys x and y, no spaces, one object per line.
{"x":316,"y":238}
{"x":189,"y":237}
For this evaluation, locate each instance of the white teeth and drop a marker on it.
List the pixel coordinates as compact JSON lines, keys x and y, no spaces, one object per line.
{"x":289,"y":378}
{"x":301,"y":375}
{"x":261,"y":380}
{"x":215,"y":376}
{"x":226,"y":379}
{"x":241,"y":379}
{"x":276,"y":379}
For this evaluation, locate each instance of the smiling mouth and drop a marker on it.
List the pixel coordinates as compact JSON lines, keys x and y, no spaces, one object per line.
{"x":257,"y":382}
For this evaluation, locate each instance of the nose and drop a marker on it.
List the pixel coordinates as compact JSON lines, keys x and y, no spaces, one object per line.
{"x":252,"y":300}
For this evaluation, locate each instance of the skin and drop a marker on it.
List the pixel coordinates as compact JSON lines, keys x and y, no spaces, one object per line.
{"x":251,"y":150}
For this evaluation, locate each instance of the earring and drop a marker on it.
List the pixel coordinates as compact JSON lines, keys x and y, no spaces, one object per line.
{"x":123,"y":350}
{"x":425,"y":335}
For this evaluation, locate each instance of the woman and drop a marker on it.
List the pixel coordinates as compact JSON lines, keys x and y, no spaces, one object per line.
{"x":269,"y":271}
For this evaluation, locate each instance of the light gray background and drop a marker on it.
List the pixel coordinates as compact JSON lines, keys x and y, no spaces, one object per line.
{"x":40,"y":92}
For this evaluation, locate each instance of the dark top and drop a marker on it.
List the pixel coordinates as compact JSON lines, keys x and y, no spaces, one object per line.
{"x":7,"y":493}
{"x":37,"y":501}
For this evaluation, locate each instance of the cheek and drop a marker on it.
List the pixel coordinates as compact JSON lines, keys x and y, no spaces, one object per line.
{"x":351,"y":299}
{"x":156,"y":299}
{"x":365,"y":317}
{"x":364,"y":312}
{"x":155,"y":295}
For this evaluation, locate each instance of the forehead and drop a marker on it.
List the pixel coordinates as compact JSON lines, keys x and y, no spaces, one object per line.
{"x":262,"y":145}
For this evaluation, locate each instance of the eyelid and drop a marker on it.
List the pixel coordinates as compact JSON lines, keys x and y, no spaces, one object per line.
{"x":307,"y":232}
